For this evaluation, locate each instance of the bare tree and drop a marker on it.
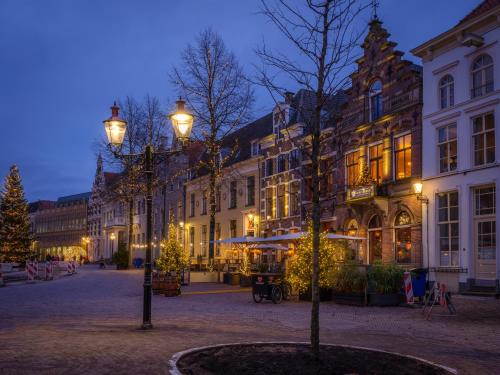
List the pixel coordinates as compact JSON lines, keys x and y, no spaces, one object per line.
{"x":145,"y":125}
{"x":322,"y":32}
{"x":219,"y":94}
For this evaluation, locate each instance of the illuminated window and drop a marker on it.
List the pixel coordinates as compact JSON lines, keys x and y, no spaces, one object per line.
{"x":448,"y":228}
{"x":232,"y":229}
{"x":191,"y":241}
{"x":447,"y":144}
{"x":203,"y":240}
{"x":352,"y":167}
{"x":402,"y":236}
{"x":402,"y":153}
{"x":270,"y":203}
{"x":446,"y":91}
{"x":376,"y":162}
{"x":294,"y":198}
{"x":204,"y":203}
{"x":483,"y":139}
{"x":282,"y":163}
{"x":482,"y":76}
{"x":282,"y":201}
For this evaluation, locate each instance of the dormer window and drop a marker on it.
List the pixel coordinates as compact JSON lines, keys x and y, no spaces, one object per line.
{"x":255,"y":148}
{"x":375,"y":100}
{"x":280,"y":118}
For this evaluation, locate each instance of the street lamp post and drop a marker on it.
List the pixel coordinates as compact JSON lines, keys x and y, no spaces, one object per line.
{"x":115,"y":127}
{"x":417,"y":187}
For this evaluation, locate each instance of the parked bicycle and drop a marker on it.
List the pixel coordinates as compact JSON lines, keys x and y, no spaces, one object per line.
{"x":270,"y":286}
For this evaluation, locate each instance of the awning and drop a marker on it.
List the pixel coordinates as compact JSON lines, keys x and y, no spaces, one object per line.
{"x":267,"y":246}
{"x":243,"y":239}
{"x":284,"y":238}
{"x":333,"y":236}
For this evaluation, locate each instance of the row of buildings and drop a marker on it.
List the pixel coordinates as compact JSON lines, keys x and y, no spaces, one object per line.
{"x":391,"y":170}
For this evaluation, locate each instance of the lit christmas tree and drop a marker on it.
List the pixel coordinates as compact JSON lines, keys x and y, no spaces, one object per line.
{"x":15,"y":238}
{"x":300,"y":267}
{"x":173,"y":257}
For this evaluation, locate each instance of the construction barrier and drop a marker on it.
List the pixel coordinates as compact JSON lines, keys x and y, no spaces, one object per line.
{"x":1,"y":277}
{"x":69,"y":269}
{"x":408,"y":288}
{"x":49,"y":272}
{"x":73,"y":266}
{"x":30,"y":272}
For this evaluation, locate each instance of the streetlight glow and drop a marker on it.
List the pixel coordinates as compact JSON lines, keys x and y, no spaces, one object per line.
{"x":417,"y":186}
{"x":115,"y":127}
{"x":182,"y":121}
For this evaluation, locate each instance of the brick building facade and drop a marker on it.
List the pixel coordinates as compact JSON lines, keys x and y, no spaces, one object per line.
{"x":378,"y":154}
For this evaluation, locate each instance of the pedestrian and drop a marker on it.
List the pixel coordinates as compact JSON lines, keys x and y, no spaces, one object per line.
{"x":48,"y":258}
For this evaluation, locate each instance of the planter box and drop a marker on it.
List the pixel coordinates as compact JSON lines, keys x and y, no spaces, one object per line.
{"x":203,"y":277}
{"x":393,"y":299}
{"x":354,"y":299}
{"x":325,"y":294}
{"x":234,"y":278}
{"x":245,"y":281}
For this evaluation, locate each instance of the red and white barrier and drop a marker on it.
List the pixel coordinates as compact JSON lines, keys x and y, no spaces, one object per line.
{"x":30,"y":272}
{"x":408,"y":288}
{"x":69,"y":270}
{"x":49,"y":275}
{"x":73,"y":266}
{"x":1,"y":277}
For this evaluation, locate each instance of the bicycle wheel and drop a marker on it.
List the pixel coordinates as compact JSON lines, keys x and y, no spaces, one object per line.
{"x":277,"y":294}
{"x":257,"y":297}
{"x":287,"y":290}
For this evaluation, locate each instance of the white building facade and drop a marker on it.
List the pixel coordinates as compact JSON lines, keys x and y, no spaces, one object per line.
{"x":461,"y":161}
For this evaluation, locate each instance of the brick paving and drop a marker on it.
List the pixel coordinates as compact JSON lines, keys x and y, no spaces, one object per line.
{"x":87,"y":324}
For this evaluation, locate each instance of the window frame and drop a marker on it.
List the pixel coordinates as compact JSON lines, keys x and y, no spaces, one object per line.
{"x":379,"y":160}
{"x":449,"y":223}
{"x":448,"y":89}
{"x":375,"y":94}
{"x":447,"y":142}
{"x":355,"y":154}
{"x":485,"y":87}
{"x":395,"y":155}
{"x":484,"y":134}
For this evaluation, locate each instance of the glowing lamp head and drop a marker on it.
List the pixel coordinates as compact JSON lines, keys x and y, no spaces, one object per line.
{"x":182,"y":121}
{"x":417,"y":186}
{"x":112,"y":236}
{"x":115,"y":127}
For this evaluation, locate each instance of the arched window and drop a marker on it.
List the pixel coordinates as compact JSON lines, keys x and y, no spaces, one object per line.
{"x":446,"y":91}
{"x":402,"y":237}
{"x":482,"y":76}
{"x":375,"y":100}
{"x":375,"y":238}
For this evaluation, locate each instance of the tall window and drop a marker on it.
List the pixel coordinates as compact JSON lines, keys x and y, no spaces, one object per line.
{"x":483,"y":139}
{"x":282,"y":163}
{"x":191,"y":241}
{"x":376,"y":162}
{"x":294,"y":158}
{"x":447,"y":145}
{"x":217,"y":238}
{"x":269,"y":167}
{"x":204,"y":203}
{"x":282,"y":200}
{"x":352,"y":167}
{"x":250,"y":190}
{"x":482,"y":76}
{"x":203,"y":240}
{"x":448,"y":228}
{"x":375,"y":100}
{"x":402,"y":236}
{"x":294,"y":198}
{"x":402,"y":153}
{"x":191,"y":204}
{"x":270,"y":203}
{"x":255,"y":148}
{"x":485,"y":222}
{"x":232,"y":229}
{"x":446,"y":91}
{"x":375,"y":238}
{"x":232,"y":194}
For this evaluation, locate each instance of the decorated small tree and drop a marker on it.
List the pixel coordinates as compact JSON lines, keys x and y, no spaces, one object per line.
{"x":245,"y":263}
{"x":15,"y":237}
{"x":300,"y":267}
{"x":172,"y":258}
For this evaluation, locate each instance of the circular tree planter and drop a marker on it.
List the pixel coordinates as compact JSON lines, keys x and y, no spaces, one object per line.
{"x":293,"y":358}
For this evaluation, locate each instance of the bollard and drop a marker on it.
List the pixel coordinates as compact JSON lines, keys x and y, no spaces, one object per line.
{"x":30,"y":272}
{"x":48,"y":271}
{"x":408,"y":288}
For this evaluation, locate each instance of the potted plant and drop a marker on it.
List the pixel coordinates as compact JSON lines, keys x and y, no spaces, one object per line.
{"x":349,"y":283}
{"x":385,"y":282}
{"x":120,"y":258}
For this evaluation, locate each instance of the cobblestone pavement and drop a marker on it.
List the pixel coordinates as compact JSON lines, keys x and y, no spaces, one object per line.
{"x":87,"y":324}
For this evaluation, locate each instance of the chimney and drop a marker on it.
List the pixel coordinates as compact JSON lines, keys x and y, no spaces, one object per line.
{"x":288,"y":97}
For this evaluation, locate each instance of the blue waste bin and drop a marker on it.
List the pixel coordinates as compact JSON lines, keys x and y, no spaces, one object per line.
{"x":137,"y":262}
{"x":418,"y":281}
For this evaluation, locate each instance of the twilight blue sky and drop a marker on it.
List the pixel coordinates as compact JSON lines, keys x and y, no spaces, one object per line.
{"x":63,"y":62}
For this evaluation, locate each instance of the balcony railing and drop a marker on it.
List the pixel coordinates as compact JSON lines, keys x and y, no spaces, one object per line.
{"x":481,"y":90}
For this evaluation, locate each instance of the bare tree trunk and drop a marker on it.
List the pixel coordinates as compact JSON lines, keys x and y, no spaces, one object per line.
{"x":213,"y":208}
{"x":130,"y":228}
